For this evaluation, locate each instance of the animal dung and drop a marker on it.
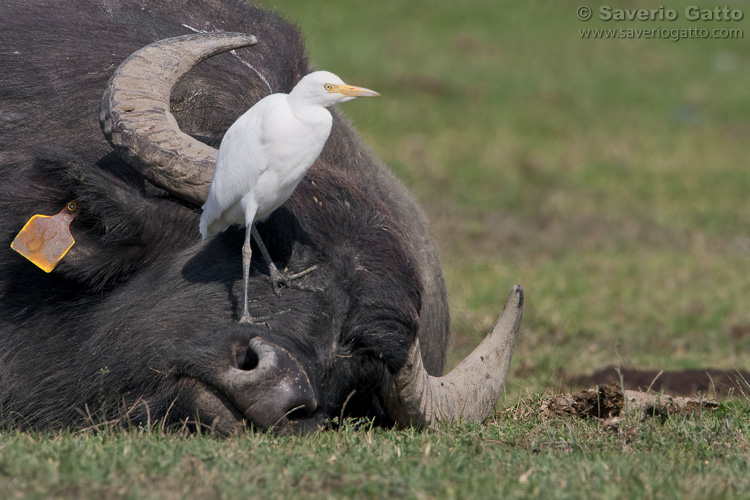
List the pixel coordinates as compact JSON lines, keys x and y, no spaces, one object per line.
{"x":609,"y":401}
{"x":45,"y":239}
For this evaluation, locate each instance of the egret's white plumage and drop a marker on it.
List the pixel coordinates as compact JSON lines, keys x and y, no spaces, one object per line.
{"x":266,"y":153}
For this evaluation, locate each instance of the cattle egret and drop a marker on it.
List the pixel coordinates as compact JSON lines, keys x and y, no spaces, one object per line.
{"x":264,"y":155}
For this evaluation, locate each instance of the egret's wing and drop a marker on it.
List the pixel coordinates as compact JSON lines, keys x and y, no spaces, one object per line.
{"x":242,"y":159}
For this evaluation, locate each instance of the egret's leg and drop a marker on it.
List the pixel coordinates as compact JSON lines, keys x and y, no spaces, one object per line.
{"x":247,"y":254}
{"x":276,"y":275}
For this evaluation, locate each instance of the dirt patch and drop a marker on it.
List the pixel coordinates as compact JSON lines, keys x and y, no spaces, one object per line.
{"x":738,"y":332}
{"x":683,"y":382}
{"x":609,"y":401}
{"x":603,"y":402}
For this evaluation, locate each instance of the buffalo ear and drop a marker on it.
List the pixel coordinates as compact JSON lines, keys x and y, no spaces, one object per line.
{"x":116,"y":230}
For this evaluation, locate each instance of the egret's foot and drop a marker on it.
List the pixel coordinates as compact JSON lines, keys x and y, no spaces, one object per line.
{"x":300,"y":274}
{"x":279,"y":278}
{"x":255,"y":320}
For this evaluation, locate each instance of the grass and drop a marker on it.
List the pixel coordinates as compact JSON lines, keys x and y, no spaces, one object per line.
{"x":605,"y":176}
{"x":518,"y":453}
{"x":608,"y":177}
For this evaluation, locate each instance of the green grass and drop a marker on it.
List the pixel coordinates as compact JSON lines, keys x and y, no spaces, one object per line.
{"x":518,"y":453}
{"x":608,"y":177}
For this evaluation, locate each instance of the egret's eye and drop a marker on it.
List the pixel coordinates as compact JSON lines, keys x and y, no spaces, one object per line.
{"x":72,"y":206}
{"x":328,"y":87}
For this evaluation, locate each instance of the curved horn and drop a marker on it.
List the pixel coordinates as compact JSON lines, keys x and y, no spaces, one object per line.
{"x":137,"y":121}
{"x":470,"y":390}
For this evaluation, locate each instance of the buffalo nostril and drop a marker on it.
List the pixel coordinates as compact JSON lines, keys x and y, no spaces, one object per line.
{"x":247,"y":359}
{"x":269,"y":386}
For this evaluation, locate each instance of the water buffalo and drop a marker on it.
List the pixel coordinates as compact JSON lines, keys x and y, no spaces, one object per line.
{"x":139,"y":320}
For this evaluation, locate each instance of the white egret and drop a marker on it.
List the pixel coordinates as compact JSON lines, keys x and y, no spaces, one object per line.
{"x":264,"y":155}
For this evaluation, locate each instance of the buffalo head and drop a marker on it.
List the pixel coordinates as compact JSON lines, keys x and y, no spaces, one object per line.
{"x":139,"y":320}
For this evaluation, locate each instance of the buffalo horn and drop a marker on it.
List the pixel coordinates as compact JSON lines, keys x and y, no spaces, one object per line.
{"x":136,"y":119}
{"x":470,"y":390}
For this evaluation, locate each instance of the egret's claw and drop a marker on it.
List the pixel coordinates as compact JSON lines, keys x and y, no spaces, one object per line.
{"x":259,"y":320}
{"x":278,"y":278}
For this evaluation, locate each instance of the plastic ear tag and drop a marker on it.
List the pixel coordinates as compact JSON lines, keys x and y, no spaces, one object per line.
{"x":45,"y":239}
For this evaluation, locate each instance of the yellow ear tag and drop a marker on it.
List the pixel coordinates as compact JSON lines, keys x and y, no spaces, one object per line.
{"x":45,"y":239}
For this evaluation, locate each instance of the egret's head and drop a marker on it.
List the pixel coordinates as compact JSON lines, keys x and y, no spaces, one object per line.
{"x":325,"y":89}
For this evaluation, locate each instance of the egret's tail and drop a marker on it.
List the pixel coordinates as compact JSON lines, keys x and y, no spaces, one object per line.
{"x":206,"y":219}
{"x":212,"y":221}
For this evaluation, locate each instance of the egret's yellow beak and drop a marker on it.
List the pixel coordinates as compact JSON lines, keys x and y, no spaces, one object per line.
{"x":352,"y":91}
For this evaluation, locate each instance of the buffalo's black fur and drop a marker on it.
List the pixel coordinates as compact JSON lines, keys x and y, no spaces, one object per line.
{"x":139,"y":302}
